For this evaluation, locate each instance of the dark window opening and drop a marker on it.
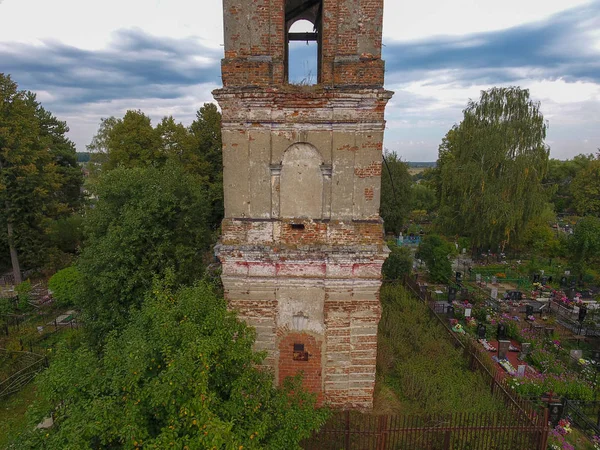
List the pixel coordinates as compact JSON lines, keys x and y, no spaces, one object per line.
{"x":303,"y":41}
{"x":297,"y":226}
{"x":299,"y":353}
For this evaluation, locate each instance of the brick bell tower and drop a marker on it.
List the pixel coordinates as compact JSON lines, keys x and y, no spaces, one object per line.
{"x":302,"y":240}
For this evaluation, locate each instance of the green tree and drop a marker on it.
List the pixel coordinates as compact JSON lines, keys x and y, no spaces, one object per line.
{"x":131,"y":142}
{"x":434,"y":252}
{"x":395,"y":193}
{"x":585,"y":189}
{"x":560,"y":175}
{"x":492,"y":166}
{"x":66,"y":286}
{"x":145,"y":222}
{"x":39,"y":179}
{"x":206,"y":130}
{"x":181,"y":374}
{"x":584,"y":244}
{"x":398,"y":263}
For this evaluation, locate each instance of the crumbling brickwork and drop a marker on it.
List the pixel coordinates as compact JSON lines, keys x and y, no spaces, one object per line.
{"x":302,"y":241}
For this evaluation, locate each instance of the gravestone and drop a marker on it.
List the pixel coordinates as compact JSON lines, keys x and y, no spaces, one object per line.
{"x":494,"y":279}
{"x":555,"y":413}
{"x":596,"y":356}
{"x":528,"y":310}
{"x":481,"y":331}
{"x":537,"y":329}
{"x":503,"y":346}
{"x":451,"y":294}
{"x":464,"y":293}
{"x":563,"y":281}
{"x":576,"y":354}
{"x":478,"y":277}
{"x":544,"y":281}
{"x":501,"y":331}
{"x":458,"y":278}
{"x":536,"y":278}
{"x":467,"y":312}
{"x":525,"y":349}
{"x":450,"y":311}
{"x":548,"y":331}
{"x":521,"y":370}
{"x":582,"y":314}
{"x":494,"y":293}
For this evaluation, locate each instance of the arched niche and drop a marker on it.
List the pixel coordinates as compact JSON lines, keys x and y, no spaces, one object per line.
{"x":301,"y":184}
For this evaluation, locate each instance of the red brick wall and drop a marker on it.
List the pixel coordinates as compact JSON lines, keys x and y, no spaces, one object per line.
{"x":312,"y":371}
{"x":257,"y":29}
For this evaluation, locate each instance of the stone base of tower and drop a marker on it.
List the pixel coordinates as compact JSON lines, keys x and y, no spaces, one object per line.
{"x":315,"y":311}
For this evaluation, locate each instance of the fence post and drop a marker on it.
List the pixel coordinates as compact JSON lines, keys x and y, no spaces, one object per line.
{"x":382,"y":433}
{"x":447,"y":440}
{"x":347,"y":437}
{"x":543,"y":433}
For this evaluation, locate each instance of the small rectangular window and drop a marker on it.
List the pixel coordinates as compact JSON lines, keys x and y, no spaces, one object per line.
{"x":299,"y":353}
{"x":297,"y":226}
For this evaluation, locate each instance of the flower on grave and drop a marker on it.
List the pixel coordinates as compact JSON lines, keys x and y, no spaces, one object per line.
{"x":544,"y":317}
{"x":531,"y":318}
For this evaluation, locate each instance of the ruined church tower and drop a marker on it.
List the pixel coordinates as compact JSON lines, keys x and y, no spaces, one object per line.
{"x":302,"y":240}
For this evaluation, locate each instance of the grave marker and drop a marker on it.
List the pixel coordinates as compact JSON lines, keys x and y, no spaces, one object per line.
{"x":521,"y":370}
{"x":501,"y":331}
{"x":525,"y":349}
{"x":503,"y":347}
{"x":481,"y":330}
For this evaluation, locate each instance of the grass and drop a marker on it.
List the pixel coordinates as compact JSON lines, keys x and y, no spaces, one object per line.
{"x":12,"y":414}
{"x":419,"y":369}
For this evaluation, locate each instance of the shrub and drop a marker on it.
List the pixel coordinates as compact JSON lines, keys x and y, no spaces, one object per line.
{"x":66,"y":286}
{"x":398,"y":264}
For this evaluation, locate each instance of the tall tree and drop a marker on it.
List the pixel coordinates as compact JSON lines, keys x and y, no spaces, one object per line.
{"x":492,"y":166}
{"x":585,"y":189}
{"x":559,"y":178}
{"x":146,"y":221}
{"x":182,"y":375}
{"x":206,"y":129}
{"x":584,"y":245}
{"x":39,"y":178}
{"x":130,"y":141}
{"x":395,"y":193}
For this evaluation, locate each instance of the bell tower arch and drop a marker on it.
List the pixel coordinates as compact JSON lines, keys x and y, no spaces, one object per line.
{"x":302,"y":240}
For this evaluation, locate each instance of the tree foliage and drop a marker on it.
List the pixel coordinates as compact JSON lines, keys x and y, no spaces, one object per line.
{"x":182,"y":374}
{"x":585,"y":189}
{"x":560,"y":176}
{"x":584,"y":244}
{"x":133,"y":142}
{"x":145,"y":222}
{"x":398,"y":263}
{"x":39,"y":180}
{"x":435,"y":252}
{"x":66,"y":286}
{"x":491,"y":168}
{"x":395,"y":193}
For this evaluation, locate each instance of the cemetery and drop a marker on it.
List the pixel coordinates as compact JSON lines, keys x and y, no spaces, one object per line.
{"x":540,"y":330}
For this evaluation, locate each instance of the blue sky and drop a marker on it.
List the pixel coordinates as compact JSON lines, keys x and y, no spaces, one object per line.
{"x":88,"y":60}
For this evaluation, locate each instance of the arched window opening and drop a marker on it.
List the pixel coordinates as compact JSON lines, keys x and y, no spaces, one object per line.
{"x":303,"y":42}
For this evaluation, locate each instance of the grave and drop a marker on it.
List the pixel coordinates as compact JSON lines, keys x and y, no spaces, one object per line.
{"x":525,"y":349}
{"x":481,"y":330}
{"x":503,"y":348}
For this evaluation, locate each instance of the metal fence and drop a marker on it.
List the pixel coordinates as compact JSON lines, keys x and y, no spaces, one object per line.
{"x":476,"y":431}
{"x":24,"y":367}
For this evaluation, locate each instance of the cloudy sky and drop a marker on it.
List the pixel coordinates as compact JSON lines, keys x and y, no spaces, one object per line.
{"x":90,"y":59}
